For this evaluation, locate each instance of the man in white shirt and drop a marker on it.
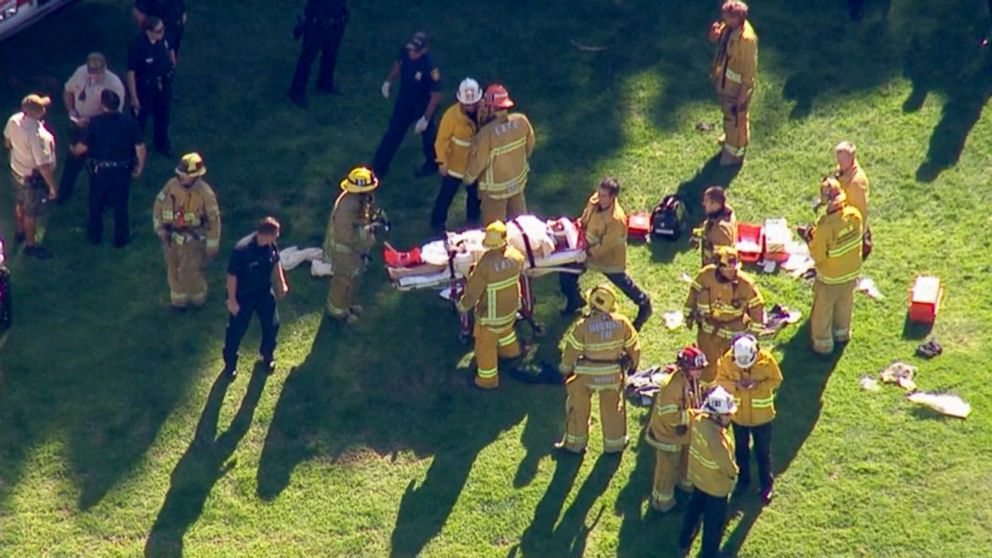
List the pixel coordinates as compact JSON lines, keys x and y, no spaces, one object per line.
{"x":32,"y":164}
{"x":82,"y":102}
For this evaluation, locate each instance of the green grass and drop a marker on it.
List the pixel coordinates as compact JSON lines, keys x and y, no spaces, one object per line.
{"x":117,"y":440}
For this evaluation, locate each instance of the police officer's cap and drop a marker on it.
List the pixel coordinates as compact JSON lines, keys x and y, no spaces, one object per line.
{"x":418,"y":41}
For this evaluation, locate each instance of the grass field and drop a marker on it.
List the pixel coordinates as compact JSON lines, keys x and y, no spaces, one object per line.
{"x":117,"y":438}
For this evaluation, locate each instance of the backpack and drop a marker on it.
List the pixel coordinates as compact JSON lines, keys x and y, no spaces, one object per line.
{"x":668,"y":218}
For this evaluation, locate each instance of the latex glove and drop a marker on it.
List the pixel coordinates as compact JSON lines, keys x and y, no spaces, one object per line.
{"x":681,"y":430}
{"x":385,"y":89}
{"x":421,"y":125}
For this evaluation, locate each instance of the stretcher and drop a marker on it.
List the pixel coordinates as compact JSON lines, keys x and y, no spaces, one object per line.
{"x":549,"y":246}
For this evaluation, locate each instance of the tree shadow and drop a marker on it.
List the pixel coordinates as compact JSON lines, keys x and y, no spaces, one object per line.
{"x":798,"y":402}
{"x":203,"y":464}
{"x":570,"y":536}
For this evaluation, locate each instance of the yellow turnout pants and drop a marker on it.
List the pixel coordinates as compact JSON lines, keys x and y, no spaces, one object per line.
{"x":736,"y":128}
{"x":346,"y":266}
{"x":500,"y":210}
{"x":183,"y":264}
{"x":830,"y":319}
{"x":670,"y":468}
{"x":490,"y":346}
{"x":579,"y":389}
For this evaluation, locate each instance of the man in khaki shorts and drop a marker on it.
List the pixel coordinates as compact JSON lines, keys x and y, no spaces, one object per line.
{"x":32,"y":164}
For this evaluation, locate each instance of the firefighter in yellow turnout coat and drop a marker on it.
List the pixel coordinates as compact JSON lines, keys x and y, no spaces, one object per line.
{"x":735,"y":67}
{"x":493,"y":291}
{"x":723,"y":302}
{"x":835,"y":246}
{"x":668,"y":428}
{"x":599,"y":348}
{"x":186,"y":219}
{"x":712,"y":472}
{"x":499,"y":158}
{"x":752,"y":376}
{"x":350,"y":236}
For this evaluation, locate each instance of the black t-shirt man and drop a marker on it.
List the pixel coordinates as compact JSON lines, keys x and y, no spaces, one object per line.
{"x":112,"y":136}
{"x":253,"y":264}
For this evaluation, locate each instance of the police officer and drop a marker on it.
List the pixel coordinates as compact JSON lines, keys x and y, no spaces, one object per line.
{"x":322,"y":28}
{"x":116,"y":148}
{"x":82,"y":102}
{"x":253,"y":266}
{"x":171,"y":12}
{"x":419,"y":97}
{"x":150,"y":63}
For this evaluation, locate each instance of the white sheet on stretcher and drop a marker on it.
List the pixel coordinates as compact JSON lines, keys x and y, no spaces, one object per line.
{"x":470,"y":242}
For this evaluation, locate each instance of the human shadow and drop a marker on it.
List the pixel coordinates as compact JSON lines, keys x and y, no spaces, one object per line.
{"x":947,"y":60}
{"x":798,"y":403}
{"x":570,"y":536}
{"x":641,"y":527}
{"x":203,"y":464}
{"x":690,"y":193}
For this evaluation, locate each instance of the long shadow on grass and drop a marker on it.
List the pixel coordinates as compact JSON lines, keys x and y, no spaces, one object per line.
{"x":691,"y":194}
{"x":570,"y":536}
{"x":946,"y":59}
{"x":201,"y":467}
{"x":347,"y":397}
{"x":798,"y":403}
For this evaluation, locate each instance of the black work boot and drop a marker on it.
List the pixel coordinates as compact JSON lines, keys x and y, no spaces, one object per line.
{"x":644,"y":312}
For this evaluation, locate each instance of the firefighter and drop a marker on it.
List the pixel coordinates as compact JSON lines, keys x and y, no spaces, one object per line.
{"x":493,"y":291}
{"x":835,"y":246}
{"x":598,"y":350}
{"x":733,"y":75}
{"x":186,"y":219}
{"x":605,"y":226}
{"x":720,"y":226}
{"x":712,"y":472}
{"x":668,"y":429}
{"x":454,"y":138}
{"x":854,"y":182}
{"x":751,"y":374}
{"x":723,"y":302}
{"x":498,"y":158}
{"x":350,"y":236}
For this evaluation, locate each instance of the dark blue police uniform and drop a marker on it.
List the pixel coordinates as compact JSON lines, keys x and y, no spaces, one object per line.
{"x":111,"y":139}
{"x":152,"y":67}
{"x":253,"y":265}
{"x":323,"y":29}
{"x":418,"y":79}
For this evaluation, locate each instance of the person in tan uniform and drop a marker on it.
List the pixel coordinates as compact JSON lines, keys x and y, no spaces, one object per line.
{"x":854,"y":181}
{"x":735,"y":67}
{"x":668,"y":427}
{"x":712,"y":472}
{"x":498,"y":158}
{"x":723,"y":302}
{"x":351,"y":231}
{"x":186,"y":218}
{"x":454,"y":139}
{"x":598,"y":350}
{"x":720,"y":226}
{"x":493,"y":291}
{"x":751,"y":374}
{"x":835,"y":246}
{"x":605,"y":226}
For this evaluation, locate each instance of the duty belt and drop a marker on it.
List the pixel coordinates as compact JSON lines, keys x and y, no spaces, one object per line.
{"x":109,"y":164}
{"x":182,"y":237}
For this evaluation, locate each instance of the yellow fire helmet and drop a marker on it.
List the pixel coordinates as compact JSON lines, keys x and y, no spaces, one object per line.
{"x":727,"y":256}
{"x":360,"y":180}
{"x":831,"y":191}
{"x":495,"y":235}
{"x":602,"y":297}
{"x":191,"y":165}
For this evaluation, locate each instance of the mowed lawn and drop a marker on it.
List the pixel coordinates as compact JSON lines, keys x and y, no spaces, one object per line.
{"x":117,"y":438}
